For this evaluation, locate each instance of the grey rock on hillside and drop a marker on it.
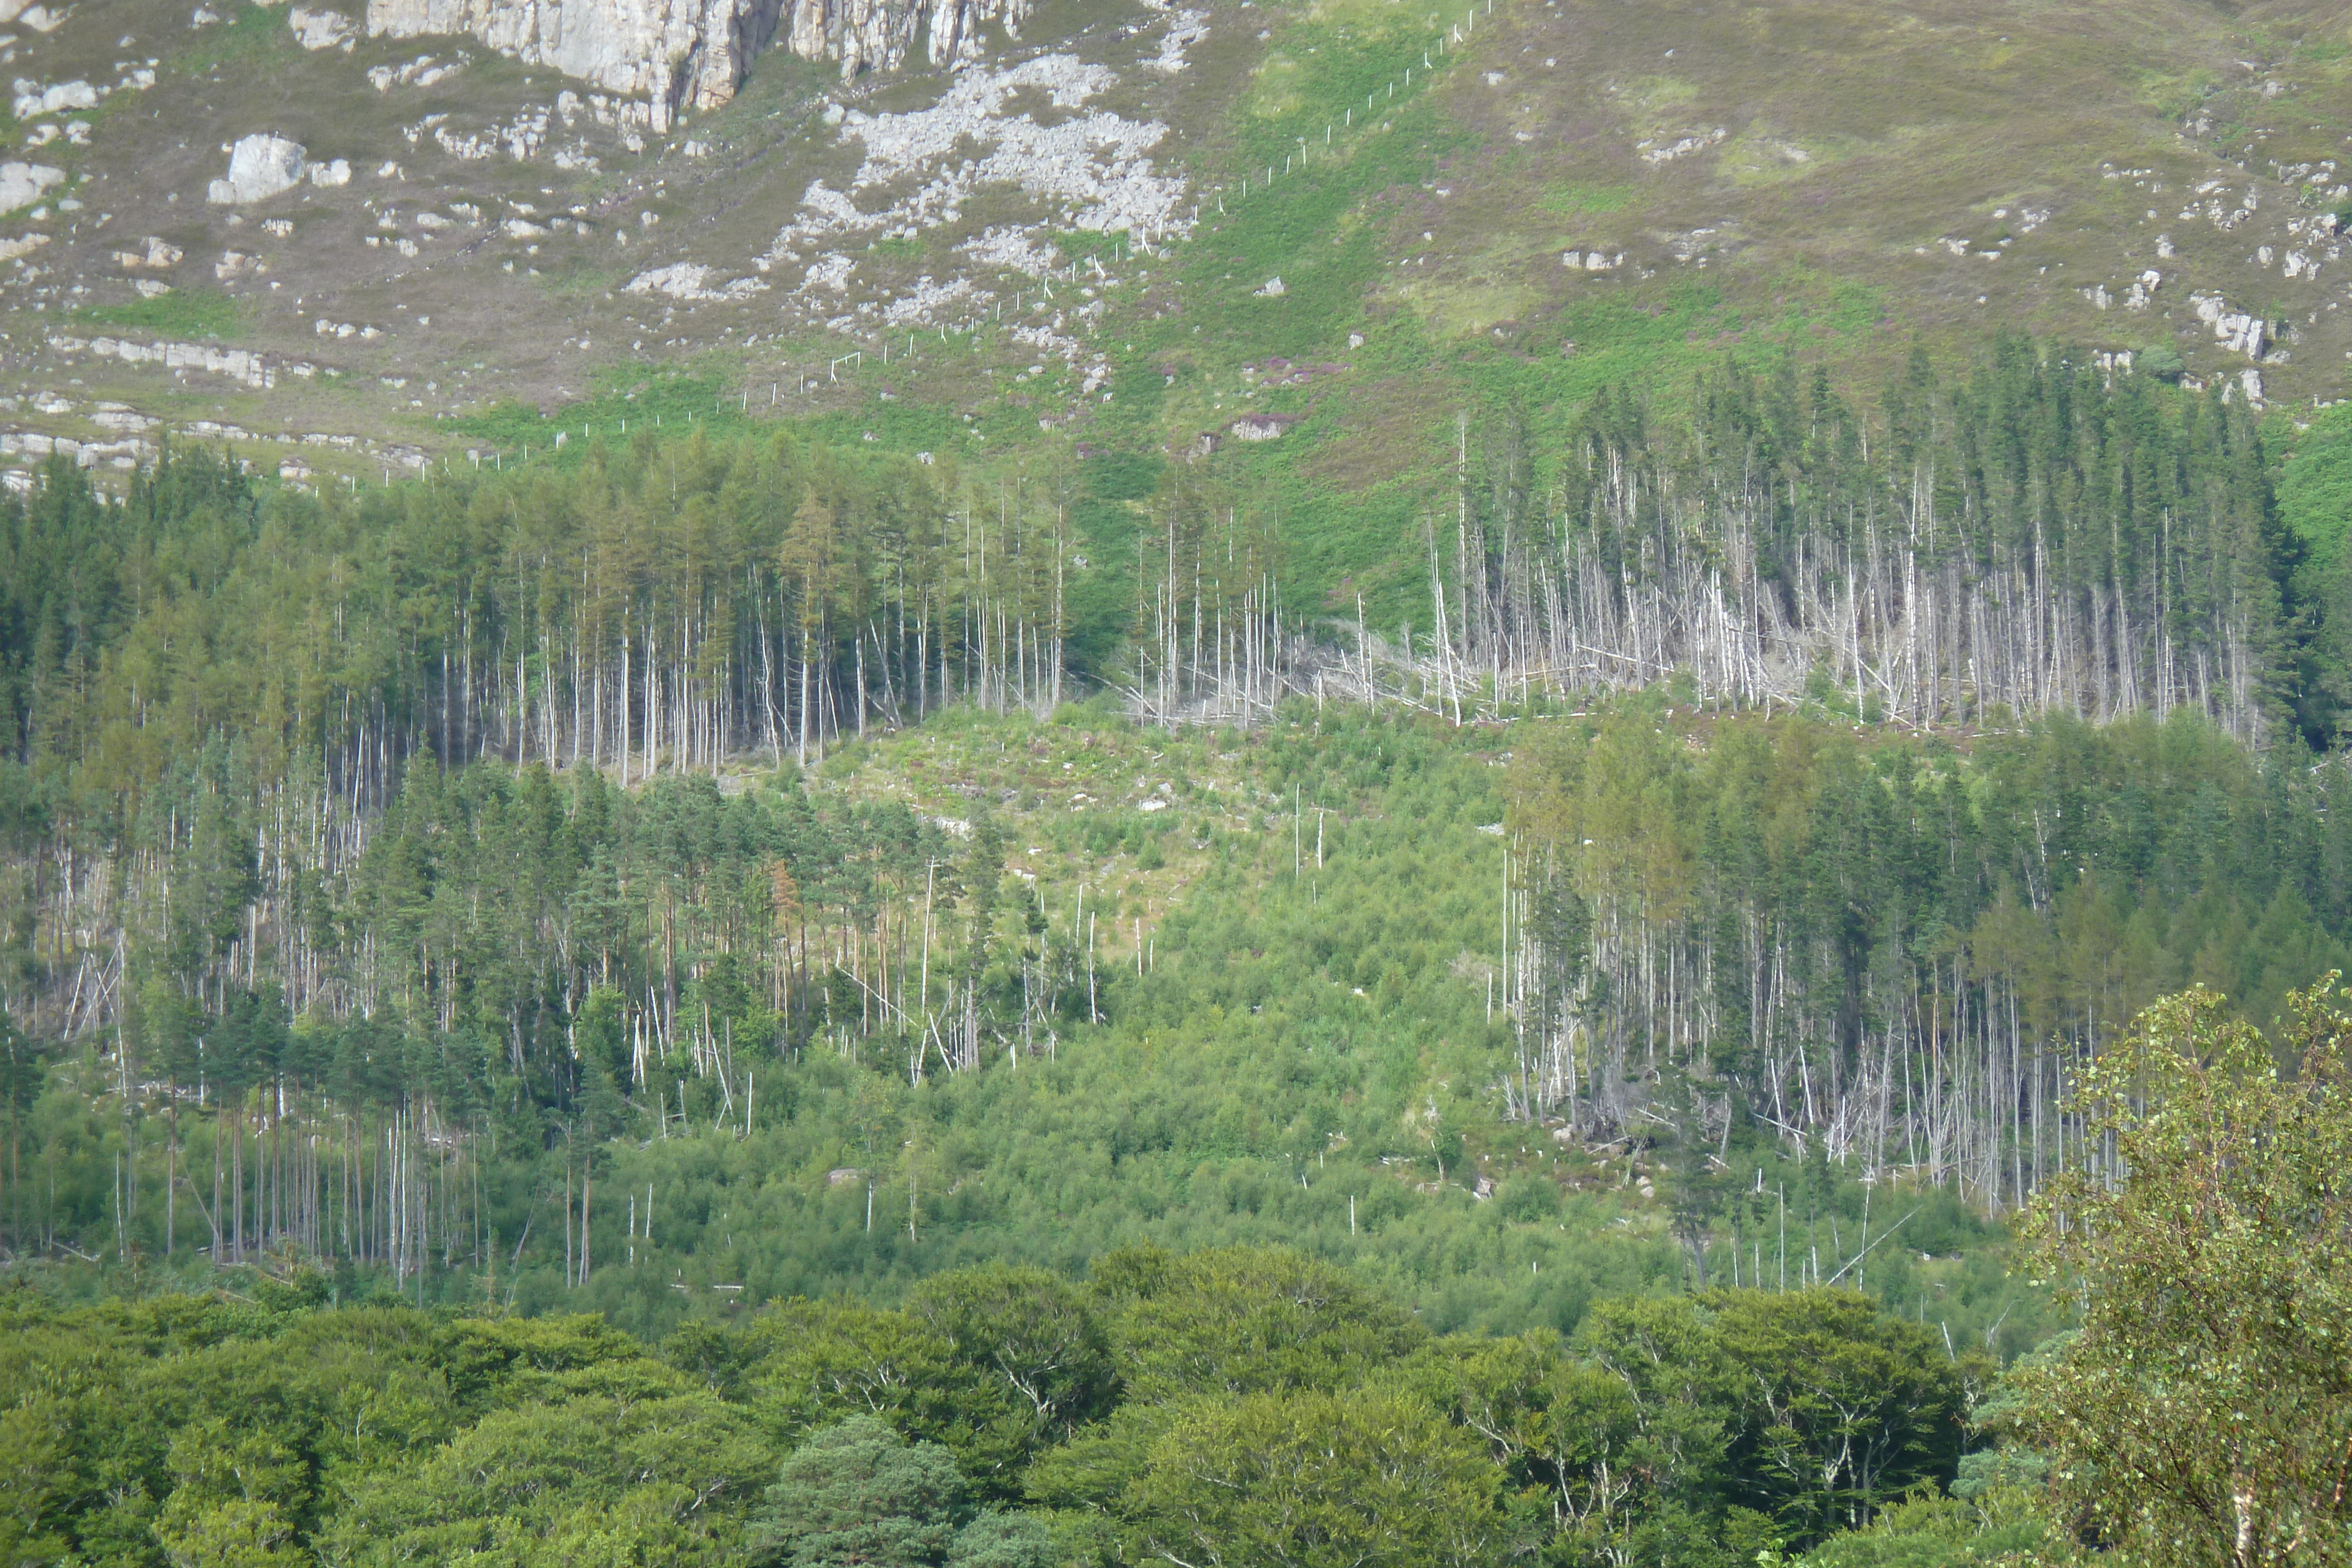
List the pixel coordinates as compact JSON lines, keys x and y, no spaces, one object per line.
{"x":680,"y":54}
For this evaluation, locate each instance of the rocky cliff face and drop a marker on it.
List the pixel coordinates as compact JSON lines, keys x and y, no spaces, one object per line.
{"x":880,"y":34}
{"x":680,"y":54}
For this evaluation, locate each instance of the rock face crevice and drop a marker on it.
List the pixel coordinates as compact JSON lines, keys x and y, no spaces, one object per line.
{"x":692,"y":54}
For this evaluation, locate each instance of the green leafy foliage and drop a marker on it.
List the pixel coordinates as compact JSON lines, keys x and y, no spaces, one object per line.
{"x":2203,"y":1413}
{"x":1316,"y":1480}
{"x":1930,"y":1532}
{"x":193,"y":1429}
{"x":1248,"y":1321}
{"x":858,"y":1493}
{"x":1261,"y":1407}
{"x":629,"y":1473}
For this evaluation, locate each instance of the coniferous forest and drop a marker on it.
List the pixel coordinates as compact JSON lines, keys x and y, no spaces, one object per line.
{"x":744,"y":1000}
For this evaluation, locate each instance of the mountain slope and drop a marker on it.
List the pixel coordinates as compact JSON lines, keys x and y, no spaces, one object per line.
{"x":1568,"y":195}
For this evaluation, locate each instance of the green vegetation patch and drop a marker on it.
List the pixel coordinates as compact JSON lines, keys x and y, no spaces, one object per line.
{"x":2314,"y":484}
{"x":191,"y":313}
{"x":1583,"y":200}
{"x":250,"y":33}
{"x":629,"y":401}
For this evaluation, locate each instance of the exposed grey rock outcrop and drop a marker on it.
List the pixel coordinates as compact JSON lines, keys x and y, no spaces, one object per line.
{"x":1262,"y":426}
{"x":40,"y":18}
{"x":31,"y":99}
{"x":681,"y":54}
{"x":22,"y":184}
{"x":244,"y":366}
{"x":2240,"y":331}
{"x":315,"y":30}
{"x":259,"y":166}
{"x":1090,"y":169}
